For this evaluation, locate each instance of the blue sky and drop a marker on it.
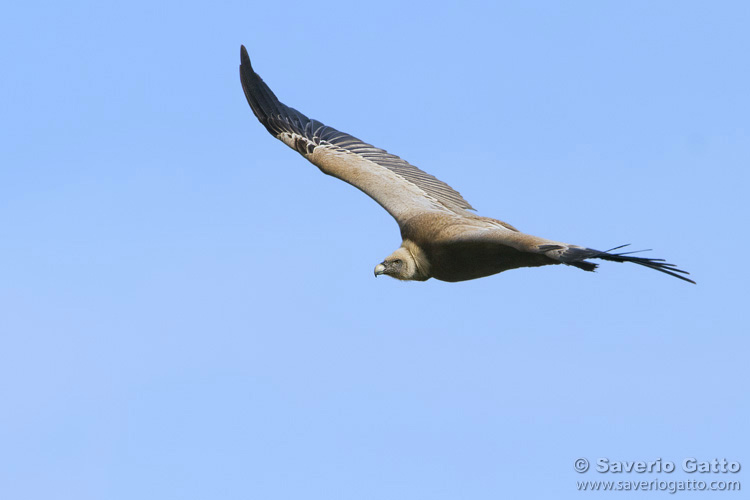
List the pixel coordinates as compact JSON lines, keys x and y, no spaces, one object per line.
{"x":188,"y":306}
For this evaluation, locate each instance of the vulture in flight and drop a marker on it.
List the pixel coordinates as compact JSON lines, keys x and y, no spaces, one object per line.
{"x":442,"y":239}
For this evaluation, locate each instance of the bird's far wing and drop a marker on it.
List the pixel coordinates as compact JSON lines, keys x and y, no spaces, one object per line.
{"x":396,"y":185}
{"x":572,"y":255}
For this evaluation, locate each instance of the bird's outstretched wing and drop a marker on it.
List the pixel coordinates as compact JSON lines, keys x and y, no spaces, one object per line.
{"x":402,"y":189}
{"x":531,"y":248}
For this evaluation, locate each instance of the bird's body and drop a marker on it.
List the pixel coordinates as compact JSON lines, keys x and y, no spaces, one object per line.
{"x":441,"y":238}
{"x":453,"y":248}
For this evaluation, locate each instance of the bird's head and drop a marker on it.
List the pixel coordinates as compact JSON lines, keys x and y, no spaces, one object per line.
{"x":400,"y":265}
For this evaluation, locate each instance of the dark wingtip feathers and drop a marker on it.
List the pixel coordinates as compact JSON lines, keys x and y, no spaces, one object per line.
{"x":576,"y":256}
{"x":265,"y":105}
{"x":245,"y":58}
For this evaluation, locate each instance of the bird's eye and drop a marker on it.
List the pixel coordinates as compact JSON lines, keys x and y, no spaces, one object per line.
{"x":397,"y":262}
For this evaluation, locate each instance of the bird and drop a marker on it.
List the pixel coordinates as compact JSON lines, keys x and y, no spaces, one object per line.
{"x":442,"y":237}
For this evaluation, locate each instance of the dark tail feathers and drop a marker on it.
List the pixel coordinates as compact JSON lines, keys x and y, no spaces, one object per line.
{"x":577,"y":256}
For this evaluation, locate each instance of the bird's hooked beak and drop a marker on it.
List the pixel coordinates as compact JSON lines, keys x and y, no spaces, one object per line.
{"x":379,"y":269}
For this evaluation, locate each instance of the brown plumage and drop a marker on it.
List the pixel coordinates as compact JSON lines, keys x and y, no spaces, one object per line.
{"x":441,"y":238}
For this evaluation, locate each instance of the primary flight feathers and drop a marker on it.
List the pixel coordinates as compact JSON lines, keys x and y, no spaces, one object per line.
{"x":441,"y":238}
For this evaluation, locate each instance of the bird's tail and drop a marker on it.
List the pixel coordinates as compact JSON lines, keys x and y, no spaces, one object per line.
{"x":576,"y":256}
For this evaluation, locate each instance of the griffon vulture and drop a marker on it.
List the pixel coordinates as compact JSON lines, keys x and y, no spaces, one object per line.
{"x":441,"y":238}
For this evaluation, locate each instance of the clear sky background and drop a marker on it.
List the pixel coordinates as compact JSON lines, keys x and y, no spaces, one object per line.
{"x":188,"y":308}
